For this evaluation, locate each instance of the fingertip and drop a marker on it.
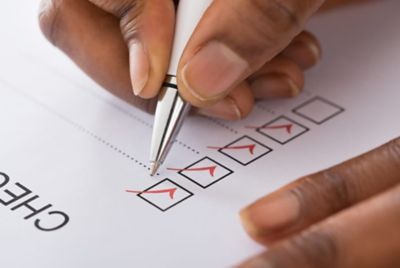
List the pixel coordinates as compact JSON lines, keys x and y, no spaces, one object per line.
{"x":305,"y":50}
{"x":155,"y":28}
{"x":212,"y":72}
{"x":226,"y":109}
{"x":247,"y":223}
{"x":275,"y":86}
{"x":279,"y":78}
{"x":237,"y":105}
{"x":147,"y":72}
{"x":270,"y":216}
{"x":244,"y":98}
{"x":139,"y":67}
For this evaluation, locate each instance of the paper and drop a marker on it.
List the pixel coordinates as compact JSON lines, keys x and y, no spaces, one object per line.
{"x":74,"y":183}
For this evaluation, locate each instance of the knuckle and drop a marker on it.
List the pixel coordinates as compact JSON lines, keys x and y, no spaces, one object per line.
{"x":338,"y":190}
{"x":48,"y":18}
{"x":393,"y":148}
{"x":268,"y":25}
{"x":326,"y":192}
{"x":313,"y":249}
{"x":278,"y":17}
{"x":285,"y":15}
{"x":129,"y":14}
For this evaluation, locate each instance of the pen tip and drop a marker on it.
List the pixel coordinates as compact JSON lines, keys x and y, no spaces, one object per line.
{"x":154,"y":167}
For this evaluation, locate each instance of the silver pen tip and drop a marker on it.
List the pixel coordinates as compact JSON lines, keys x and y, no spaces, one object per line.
{"x":154,"y":168}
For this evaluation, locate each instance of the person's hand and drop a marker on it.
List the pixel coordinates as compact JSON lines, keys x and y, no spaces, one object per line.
{"x":243,"y":50}
{"x":347,"y":216}
{"x":231,"y":52}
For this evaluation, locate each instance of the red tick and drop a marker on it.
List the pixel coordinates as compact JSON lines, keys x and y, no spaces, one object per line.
{"x":210,"y":169}
{"x":171,"y":192}
{"x":287,"y":127}
{"x":250,"y":147}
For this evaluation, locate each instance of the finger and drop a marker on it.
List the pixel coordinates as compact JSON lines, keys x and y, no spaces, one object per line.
{"x":147,"y":27}
{"x":237,"y":105}
{"x":317,"y":196}
{"x":365,"y":235}
{"x":235,"y":39}
{"x":304,"y":50}
{"x":92,"y":38}
{"x":279,"y":78}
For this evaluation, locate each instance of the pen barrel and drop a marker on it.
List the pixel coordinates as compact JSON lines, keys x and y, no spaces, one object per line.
{"x":171,"y":108}
{"x":188,"y":16}
{"x":170,"y":112}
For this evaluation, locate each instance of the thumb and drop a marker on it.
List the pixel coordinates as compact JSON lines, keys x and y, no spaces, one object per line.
{"x":233,"y":40}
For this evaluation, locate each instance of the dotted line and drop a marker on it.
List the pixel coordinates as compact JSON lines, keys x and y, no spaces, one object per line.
{"x":265,"y":109}
{"x":137,"y":118}
{"x":219,"y":123}
{"x":82,"y":129}
{"x":108,"y":144}
{"x":124,"y":111}
{"x":184,"y":145}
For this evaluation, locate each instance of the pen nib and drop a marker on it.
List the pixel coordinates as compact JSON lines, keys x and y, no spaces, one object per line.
{"x":153,"y":168}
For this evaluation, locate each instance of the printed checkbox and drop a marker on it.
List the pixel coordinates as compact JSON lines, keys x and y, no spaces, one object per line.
{"x":244,"y":150}
{"x":205,"y":172}
{"x":318,"y":110}
{"x":282,"y":129}
{"x":165,"y":194}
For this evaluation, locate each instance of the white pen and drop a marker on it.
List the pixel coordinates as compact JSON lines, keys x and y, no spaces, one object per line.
{"x":171,"y":108}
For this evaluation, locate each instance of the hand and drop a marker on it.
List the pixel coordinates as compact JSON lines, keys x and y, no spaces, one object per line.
{"x":347,"y":216}
{"x":125,"y":44}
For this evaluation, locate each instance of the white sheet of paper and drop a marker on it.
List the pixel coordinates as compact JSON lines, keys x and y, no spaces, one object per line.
{"x":66,"y":142}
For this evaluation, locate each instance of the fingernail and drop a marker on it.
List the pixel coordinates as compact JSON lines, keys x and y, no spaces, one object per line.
{"x":305,"y":54}
{"x":213,"y":71}
{"x":139,"y":67}
{"x":224,"y":109}
{"x":273,"y":213}
{"x":315,"y":50}
{"x":274,"y":86}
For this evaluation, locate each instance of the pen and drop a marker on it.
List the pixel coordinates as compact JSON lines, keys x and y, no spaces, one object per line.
{"x":171,"y":108}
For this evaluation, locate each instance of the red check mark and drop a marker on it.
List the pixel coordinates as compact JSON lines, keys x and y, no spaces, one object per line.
{"x":171,"y":192}
{"x":249,"y":147}
{"x":287,"y":127}
{"x":210,"y":169}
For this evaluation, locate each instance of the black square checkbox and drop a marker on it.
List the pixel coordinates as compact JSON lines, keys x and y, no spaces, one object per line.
{"x":318,"y":110}
{"x":205,"y":172}
{"x":245,"y":150}
{"x":282,"y":129}
{"x":165,"y":194}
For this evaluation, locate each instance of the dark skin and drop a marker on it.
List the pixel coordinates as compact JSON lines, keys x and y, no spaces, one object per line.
{"x":346,"y":216}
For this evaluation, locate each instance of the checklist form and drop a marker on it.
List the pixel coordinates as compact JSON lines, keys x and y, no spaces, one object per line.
{"x":75,"y":189}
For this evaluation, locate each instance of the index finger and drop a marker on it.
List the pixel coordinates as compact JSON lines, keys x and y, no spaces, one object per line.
{"x":315,"y":197}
